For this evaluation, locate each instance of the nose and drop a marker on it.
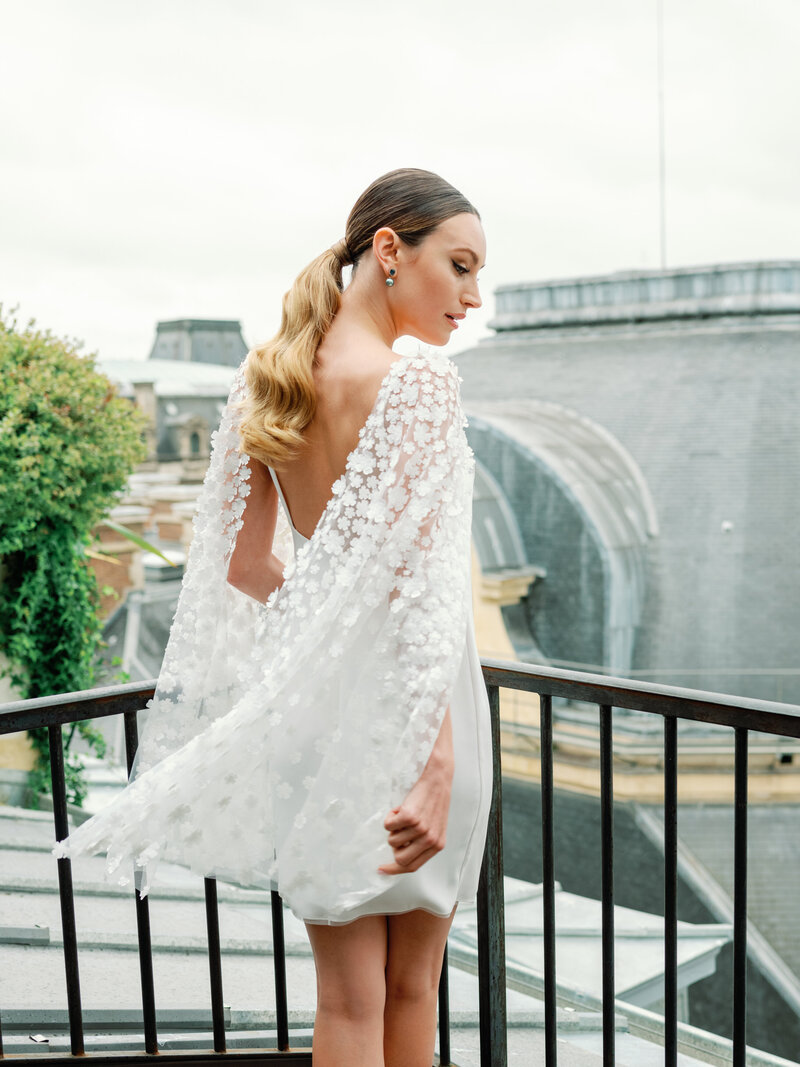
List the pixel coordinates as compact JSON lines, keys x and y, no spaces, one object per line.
{"x":472,"y":297}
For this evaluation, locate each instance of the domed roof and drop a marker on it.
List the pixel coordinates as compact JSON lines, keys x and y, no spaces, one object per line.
{"x":707,"y":407}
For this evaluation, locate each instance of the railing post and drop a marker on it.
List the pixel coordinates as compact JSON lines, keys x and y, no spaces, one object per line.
{"x":143,"y":919}
{"x":740,"y":901}
{"x":491,"y":917}
{"x":444,"y":1013}
{"x":279,"y":963}
{"x":607,"y":822}
{"x":215,"y":964}
{"x":670,"y":892}
{"x":548,"y":880}
{"x":68,"y":930}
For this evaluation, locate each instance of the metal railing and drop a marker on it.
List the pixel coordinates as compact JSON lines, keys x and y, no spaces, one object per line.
{"x":672,"y":704}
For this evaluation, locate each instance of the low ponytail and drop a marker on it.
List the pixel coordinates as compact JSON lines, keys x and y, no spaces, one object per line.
{"x":280,"y":384}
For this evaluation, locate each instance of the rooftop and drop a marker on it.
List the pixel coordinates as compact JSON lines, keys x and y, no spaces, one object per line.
{"x":768,"y":287}
{"x":169,"y":377}
{"x":31,"y":934}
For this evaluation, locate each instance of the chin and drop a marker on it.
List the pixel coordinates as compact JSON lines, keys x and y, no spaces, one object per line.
{"x":437,"y":339}
{"x":431,"y":334}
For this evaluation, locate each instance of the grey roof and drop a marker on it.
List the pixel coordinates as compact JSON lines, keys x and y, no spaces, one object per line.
{"x":170,"y":378}
{"x":707,"y":410}
{"x":773,"y":1018}
{"x":32,"y":946}
{"x":773,"y":865}
{"x":640,"y":296}
{"x":200,"y":341}
{"x":638,"y":945}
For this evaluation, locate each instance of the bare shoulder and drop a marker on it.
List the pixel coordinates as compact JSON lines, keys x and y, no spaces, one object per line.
{"x":353,"y":377}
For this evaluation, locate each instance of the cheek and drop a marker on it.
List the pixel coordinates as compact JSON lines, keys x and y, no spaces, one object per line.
{"x":435,"y":288}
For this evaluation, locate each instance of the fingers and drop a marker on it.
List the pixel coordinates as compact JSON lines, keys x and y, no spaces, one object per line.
{"x":413,"y":865}
{"x":397,"y":819}
{"x":412,"y":847}
{"x":405,"y":820}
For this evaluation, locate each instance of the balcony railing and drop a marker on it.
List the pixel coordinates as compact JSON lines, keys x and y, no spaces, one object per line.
{"x":671,"y":704}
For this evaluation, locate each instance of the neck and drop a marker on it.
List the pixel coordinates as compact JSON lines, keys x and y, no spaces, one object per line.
{"x":365,"y":305}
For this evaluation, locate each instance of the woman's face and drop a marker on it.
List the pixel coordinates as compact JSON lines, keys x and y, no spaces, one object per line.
{"x":437,"y":281}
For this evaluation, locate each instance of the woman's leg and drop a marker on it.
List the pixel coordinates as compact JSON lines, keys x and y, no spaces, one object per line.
{"x":351,"y":992}
{"x":414,"y":964}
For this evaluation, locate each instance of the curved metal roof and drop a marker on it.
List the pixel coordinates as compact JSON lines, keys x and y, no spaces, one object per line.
{"x":608,"y":488}
{"x":709,"y":413}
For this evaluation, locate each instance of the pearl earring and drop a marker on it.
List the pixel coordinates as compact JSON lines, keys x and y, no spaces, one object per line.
{"x":390,"y":280}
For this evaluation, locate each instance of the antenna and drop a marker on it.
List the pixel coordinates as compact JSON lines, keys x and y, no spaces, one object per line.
{"x":661,"y":148}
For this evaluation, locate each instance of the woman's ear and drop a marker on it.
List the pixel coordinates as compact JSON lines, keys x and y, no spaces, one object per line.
{"x":385,"y":245}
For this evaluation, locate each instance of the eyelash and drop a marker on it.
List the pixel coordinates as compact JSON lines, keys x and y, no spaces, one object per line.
{"x":459,"y":268}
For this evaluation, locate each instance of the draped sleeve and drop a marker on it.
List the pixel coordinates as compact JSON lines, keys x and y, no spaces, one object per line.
{"x":338,"y":691}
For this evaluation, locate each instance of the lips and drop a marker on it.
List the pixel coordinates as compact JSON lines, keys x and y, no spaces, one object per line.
{"x":454,"y":319}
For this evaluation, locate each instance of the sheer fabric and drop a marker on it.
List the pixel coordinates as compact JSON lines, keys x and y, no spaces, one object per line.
{"x":281,"y":734}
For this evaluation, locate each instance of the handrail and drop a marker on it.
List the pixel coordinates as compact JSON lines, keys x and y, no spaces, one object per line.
{"x":719,"y":709}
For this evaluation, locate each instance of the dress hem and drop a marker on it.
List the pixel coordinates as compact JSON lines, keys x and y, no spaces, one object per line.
{"x":387,"y":914}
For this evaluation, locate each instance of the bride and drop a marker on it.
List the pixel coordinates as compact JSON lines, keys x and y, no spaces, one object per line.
{"x":320,"y":722}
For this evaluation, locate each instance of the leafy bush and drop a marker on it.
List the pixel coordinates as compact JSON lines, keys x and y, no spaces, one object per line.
{"x":68,"y":443}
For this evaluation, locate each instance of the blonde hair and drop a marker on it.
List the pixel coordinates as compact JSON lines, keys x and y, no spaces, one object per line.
{"x":279,"y":374}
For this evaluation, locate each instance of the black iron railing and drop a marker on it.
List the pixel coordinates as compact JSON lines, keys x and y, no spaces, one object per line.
{"x":672,"y":704}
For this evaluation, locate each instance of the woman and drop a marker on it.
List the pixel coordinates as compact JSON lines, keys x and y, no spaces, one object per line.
{"x":332,"y":708}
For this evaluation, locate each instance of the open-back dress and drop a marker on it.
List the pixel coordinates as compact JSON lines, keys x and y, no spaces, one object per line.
{"x":281,"y":735}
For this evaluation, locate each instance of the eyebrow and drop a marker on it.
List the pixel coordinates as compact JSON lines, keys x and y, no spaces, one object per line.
{"x":469,"y":253}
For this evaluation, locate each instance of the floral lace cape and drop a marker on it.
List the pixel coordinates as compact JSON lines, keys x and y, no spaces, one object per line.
{"x":281,"y":735}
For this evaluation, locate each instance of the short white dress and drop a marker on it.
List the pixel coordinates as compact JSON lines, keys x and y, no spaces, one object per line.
{"x":282,"y":734}
{"x":451,"y":876}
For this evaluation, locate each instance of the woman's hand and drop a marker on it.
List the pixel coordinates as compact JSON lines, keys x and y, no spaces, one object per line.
{"x":418,"y":828}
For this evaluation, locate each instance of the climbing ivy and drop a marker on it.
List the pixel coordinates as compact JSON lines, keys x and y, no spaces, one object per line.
{"x":68,"y":443}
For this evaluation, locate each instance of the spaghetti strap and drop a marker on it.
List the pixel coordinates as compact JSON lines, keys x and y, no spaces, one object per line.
{"x":297,"y":537}
{"x":277,"y":485}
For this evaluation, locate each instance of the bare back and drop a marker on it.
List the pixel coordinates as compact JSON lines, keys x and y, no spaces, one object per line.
{"x":347,"y":387}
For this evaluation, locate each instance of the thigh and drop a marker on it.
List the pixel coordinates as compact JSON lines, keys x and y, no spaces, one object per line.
{"x":415,"y":949}
{"x":350,"y":960}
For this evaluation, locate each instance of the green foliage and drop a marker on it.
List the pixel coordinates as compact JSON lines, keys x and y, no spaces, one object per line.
{"x":68,"y":443}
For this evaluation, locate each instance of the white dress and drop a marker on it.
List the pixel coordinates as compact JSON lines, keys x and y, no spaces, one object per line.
{"x":451,"y":876}
{"x":281,"y":735}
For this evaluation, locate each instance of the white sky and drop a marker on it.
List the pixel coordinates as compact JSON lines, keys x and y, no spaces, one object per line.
{"x":186,"y":158}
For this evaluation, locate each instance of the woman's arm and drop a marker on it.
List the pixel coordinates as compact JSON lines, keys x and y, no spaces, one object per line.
{"x":253,"y":568}
{"x":418,"y":828}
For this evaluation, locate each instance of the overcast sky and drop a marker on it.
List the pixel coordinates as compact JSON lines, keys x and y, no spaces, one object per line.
{"x":184,"y":158}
